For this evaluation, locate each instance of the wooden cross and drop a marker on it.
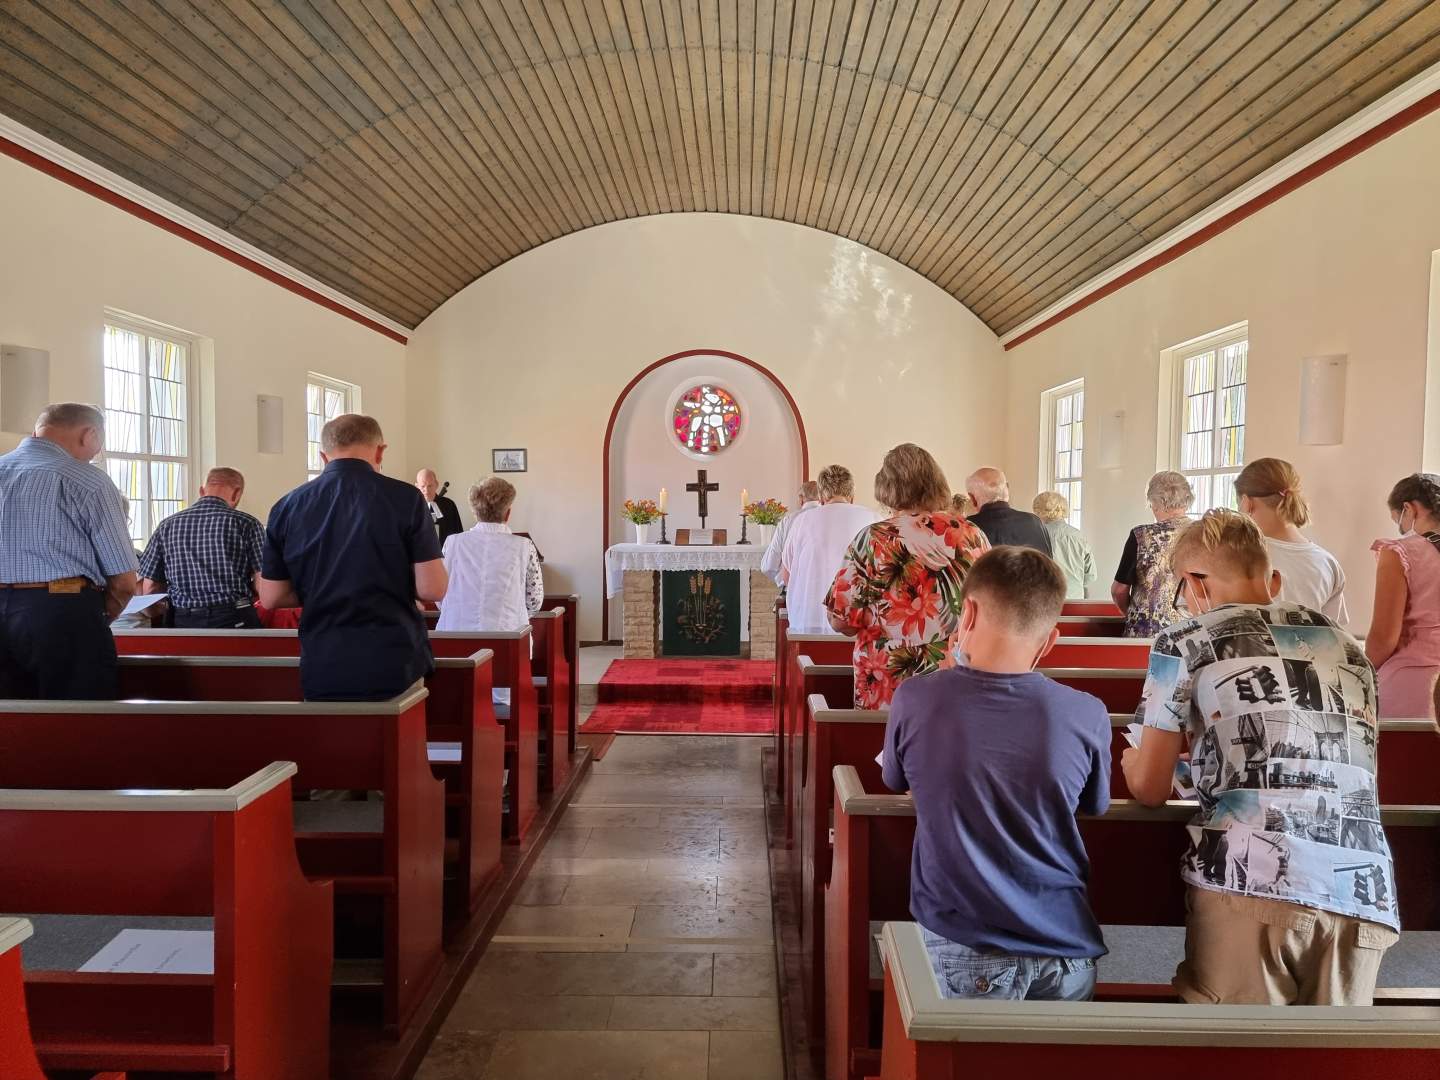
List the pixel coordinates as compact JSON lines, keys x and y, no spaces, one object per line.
{"x":701,"y":488}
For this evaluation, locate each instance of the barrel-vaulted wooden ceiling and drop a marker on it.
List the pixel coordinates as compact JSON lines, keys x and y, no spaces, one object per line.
{"x":1008,"y":150}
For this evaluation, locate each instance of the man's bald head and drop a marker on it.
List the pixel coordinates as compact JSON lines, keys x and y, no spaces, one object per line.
{"x":428,"y":483}
{"x":987,"y":485}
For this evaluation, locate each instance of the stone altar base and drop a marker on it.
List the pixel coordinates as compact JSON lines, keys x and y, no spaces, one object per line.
{"x":641,"y":619}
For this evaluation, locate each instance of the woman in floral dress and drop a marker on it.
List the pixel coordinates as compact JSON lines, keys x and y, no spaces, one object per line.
{"x":1144,"y":588}
{"x":898,"y":591}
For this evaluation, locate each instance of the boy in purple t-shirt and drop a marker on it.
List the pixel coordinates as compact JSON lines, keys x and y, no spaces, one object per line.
{"x":999,"y":760}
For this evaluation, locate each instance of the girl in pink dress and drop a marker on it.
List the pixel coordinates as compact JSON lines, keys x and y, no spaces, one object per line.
{"x":1404,"y":641}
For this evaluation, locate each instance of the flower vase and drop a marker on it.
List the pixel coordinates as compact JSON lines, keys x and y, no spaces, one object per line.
{"x":642,"y":533}
{"x":766,"y":531}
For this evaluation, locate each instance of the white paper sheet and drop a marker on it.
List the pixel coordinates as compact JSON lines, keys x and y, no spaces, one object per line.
{"x":138,"y":604}
{"x":702,"y":537}
{"x":153,"y":952}
{"x":444,"y":752}
{"x":1184,"y":785}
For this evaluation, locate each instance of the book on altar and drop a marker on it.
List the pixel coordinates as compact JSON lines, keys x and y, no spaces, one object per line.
{"x":1184,"y":784}
{"x":156,"y":952}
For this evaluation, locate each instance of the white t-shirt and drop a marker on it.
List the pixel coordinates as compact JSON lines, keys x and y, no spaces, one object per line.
{"x":814,"y":552}
{"x":1310,"y":576}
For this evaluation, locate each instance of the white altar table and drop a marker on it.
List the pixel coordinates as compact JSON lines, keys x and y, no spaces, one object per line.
{"x":634,"y":571}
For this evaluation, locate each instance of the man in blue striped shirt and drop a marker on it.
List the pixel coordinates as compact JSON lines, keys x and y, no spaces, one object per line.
{"x":67,"y":566}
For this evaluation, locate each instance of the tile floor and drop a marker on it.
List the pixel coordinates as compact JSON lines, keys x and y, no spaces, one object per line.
{"x":641,"y":946}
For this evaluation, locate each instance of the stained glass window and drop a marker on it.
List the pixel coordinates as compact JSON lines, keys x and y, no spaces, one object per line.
{"x":325,"y":399}
{"x":706,"y":419}
{"x":147,"y":421}
{"x":1211,"y":378}
{"x":1066,"y":408}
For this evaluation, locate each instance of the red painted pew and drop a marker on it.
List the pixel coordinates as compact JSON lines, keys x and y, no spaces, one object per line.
{"x":207,"y":642}
{"x":17,"y":1049}
{"x":781,"y":678}
{"x":466,"y":745}
{"x":821,"y":649}
{"x":570,"y":602}
{"x":1104,"y":608}
{"x":927,"y":1037}
{"x":387,"y":884}
{"x":552,"y":676}
{"x":1134,"y":880}
{"x":1099,"y":652}
{"x":512,"y":671}
{"x":227,"y":854}
{"x":1110,"y":626}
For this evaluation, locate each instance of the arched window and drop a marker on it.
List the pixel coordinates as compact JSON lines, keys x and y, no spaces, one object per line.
{"x":707,"y":419}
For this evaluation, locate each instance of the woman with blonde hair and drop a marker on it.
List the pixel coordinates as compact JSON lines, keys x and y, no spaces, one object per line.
{"x":1068,"y":545}
{"x":1144,"y":588}
{"x":1269,"y":494}
{"x":1404,"y":641}
{"x":898,"y":591}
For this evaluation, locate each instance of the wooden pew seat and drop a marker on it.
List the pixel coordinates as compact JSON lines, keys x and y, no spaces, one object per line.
{"x":927,"y":1036}
{"x":223,"y":857}
{"x":17,"y":1048}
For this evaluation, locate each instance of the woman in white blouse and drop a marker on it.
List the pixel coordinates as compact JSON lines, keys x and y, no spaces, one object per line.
{"x":495,"y":579}
{"x":1269,"y":493}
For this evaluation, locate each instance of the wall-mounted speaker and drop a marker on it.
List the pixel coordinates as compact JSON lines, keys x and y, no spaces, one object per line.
{"x":1111,"y":449}
{"x":1322,"y":400}
{"x":270,"y":413}
{"x":24,"y":387}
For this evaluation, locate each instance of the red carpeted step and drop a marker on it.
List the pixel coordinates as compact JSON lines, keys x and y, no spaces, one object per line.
{"x":681,"y":718}
{"x":666,"y":682}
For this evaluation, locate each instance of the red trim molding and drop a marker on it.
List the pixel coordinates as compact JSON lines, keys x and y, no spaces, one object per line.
{"x":1362,"y":142}
{"x":610,"y":432}
{"x":104,"y":194}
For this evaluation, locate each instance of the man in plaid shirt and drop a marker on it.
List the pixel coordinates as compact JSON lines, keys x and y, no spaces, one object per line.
{"x":207,"y":557}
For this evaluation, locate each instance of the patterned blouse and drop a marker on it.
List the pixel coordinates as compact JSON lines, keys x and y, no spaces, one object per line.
{"x":1145,"y":567}
{"x":899,"y":589}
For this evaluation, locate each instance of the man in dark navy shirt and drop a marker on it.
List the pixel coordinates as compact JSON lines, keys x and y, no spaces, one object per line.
{"x":1001,"y":523}
{"x":354,"y":549}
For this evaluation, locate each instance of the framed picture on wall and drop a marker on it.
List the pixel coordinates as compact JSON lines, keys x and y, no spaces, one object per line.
{"x":508,"y":461}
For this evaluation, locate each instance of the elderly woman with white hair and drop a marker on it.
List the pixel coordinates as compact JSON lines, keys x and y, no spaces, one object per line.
{"x":1068,"y":545}
{"x":495,"y":578}
{"x":1144,"y":587}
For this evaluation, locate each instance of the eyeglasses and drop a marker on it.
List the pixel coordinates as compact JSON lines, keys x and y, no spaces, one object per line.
{"x":1180,"y":603}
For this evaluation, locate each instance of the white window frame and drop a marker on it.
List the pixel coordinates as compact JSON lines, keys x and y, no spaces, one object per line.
{"x":1173,"y":406}
{"x":1049,"y":411}
{"x":351,"y":394}
{"x":141,"y":509}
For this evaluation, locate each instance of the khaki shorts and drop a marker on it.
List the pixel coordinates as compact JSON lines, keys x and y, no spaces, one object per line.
{"x":1242,"y":950}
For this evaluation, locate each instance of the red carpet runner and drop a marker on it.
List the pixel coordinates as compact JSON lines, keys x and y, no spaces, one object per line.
{"x":685,"y":697}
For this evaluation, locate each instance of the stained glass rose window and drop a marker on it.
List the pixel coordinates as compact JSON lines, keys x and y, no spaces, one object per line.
{"x":706,"y":419}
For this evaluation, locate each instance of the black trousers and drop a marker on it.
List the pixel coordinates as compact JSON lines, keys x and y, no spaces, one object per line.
{"x":56,"y":645}
{"x":221,"y":617}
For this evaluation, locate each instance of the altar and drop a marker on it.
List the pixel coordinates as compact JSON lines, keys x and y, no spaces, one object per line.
{"x":634,"y":571}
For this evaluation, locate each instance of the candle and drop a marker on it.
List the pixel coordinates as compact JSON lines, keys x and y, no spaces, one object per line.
{"x":664,"y":496}
{"x":744,"y":499}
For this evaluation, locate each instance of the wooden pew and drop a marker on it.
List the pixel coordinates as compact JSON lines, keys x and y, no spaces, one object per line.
{"x":552,"y":677}
{"x":17,"y":1050}
{"x":226,"y":854}
{"x":570,"y":602}
{"x":511,"y":670}
{"x":782,"y":670}
{"x":1104,"y":608}
{"x":1099,"y":652}
{"x":388,"y":881}
{"x":465,"y":744}
{"x":1134,"y":880}
{"x":207,"y":642}
{"x":821,"y":649}
{"x":927,"y":1037}
{"x":1111,"y":626}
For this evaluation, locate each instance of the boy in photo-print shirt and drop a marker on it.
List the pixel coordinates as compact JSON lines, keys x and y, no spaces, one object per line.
{"x":999,"y":759}
{"x":1291,"y":889}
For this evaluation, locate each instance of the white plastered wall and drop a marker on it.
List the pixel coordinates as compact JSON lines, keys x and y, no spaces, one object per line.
{"x":535,"y":354}
{"x":65,"y":257}
{"x":1341,"y":265}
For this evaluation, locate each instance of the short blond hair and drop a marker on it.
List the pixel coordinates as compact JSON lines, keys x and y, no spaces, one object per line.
{"x":350,"y":429}
{"x":1227,"y":535}
{"x":1276,"y":484}
{"x":1051,"y":506}
{"x":491,"y":499}
{"x":836,"y":483}
{"x":1169,"y":490}
{"x":962,"y":504}
{"x":911,"y":479}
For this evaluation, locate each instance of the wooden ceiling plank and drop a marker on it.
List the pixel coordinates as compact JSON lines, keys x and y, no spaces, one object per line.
{"x":782,"y":31}
{"x":686,"y":17}
{"x":667,"y":38}
{"x":553,"y":84}
{"x":761,"y":64}
{"x":949,"y":122}
{"x":721,"y":116}
{"x":797,"y":52}
{"x":928,"y":22}
{"x":531,"y":164}
{"x":625,"y":71}
{"x":1029,"y":48}
{"x":877,"y":62}
{"x":865,"y":35}
{"x":652,"y":61}
{"x":746,"y":104}
{"x":823,"y":43}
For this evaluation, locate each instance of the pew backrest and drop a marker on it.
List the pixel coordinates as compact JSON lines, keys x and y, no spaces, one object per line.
{"x":17,"y":1049}
{"x":207,"y":642}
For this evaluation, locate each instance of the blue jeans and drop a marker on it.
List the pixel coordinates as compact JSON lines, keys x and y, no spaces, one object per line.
{"x":963,"y":972}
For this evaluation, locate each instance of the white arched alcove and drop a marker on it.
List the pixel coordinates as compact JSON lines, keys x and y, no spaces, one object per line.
{"x":644,"y":455}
